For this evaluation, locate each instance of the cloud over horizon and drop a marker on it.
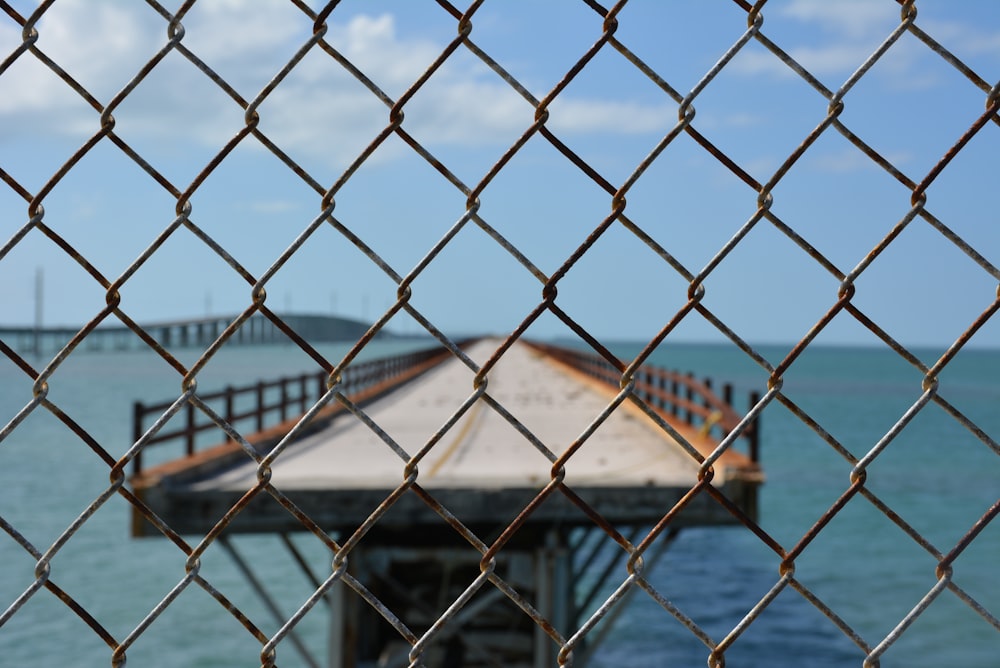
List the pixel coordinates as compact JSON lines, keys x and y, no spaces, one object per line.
{"x":317,"y":110}
{"x":835,"y":39}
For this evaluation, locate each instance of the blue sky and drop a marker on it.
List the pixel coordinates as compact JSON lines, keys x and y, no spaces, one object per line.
{"x":911,"y":107}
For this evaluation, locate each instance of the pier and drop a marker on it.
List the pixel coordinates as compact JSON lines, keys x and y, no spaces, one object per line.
{"x":423,"y":499}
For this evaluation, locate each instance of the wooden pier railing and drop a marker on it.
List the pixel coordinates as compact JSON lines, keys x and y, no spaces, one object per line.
{"x":256,"y":407}
{"x":264,"y":404}
{"x":678,"y":395}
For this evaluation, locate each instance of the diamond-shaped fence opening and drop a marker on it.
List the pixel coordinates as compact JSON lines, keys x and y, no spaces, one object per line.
{"x":367,"y":206}
{"x":569,"y":201}
{"x":173,"y":108}
{"x":591,"y":291}
{"x":931,"y":297}
{"x":496,"y":305}
{"x":87,"y":207}
{"x":437,"y":335}
{"x":958,"y":190}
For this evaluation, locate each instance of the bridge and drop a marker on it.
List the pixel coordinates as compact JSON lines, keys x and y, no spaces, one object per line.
{"x":535,"y":472}
{"x":185,"y":333}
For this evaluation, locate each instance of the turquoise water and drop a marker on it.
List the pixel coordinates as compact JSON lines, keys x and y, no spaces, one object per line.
{"x":936,"y":475}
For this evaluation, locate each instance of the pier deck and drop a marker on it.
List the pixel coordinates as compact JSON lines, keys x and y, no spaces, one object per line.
{"x":483,"y":469}
{"x":486,"y":469}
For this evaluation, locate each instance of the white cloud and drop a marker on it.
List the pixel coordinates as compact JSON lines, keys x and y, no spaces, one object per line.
{"x":833,"y":39}
{"x":851,"y":19}
{"x":715,"y":119}
{"x":963,"y":38}
{"x":320,"y":109}
{"x":574,"y":115}
{"x":829,"y":39}
{"x":819,"y":60}
{"x":235,"y":29}
{"x":372,"y":40}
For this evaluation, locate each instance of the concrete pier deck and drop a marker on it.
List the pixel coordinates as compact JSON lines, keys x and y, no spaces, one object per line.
{"x":483,"y":469}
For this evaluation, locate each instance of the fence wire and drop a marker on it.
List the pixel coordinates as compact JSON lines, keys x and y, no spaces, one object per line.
{"x":607,"y":20}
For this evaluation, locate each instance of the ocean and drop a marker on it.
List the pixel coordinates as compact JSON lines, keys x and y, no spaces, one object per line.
{"x":935,"y":475}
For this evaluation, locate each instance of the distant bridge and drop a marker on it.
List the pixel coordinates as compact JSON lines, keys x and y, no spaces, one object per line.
{"x":194,"y":332}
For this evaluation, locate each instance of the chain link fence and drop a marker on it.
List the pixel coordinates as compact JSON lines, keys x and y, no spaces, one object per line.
{"x":42,"y":555}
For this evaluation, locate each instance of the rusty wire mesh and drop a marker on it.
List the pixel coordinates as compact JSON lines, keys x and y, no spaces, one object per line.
{"x":607,"y":21}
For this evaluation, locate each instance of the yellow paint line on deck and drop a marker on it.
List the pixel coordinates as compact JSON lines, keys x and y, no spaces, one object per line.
{"x":470,"y":419}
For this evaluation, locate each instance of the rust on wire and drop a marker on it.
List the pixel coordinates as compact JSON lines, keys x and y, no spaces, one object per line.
{"x":343,"y":387}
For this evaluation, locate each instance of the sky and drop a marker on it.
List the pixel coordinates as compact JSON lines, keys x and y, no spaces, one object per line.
{"x":910,"y":108}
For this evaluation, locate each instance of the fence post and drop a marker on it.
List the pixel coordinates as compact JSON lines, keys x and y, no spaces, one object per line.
{"x":674,"y":389}
{"x":727,"y":398}
{"x":689,"y":395}
{"x":662,"y":383}
{"x":190,"y":431}
{"x":138,"y":412}
{"x":755,"y":430}
{"x":229,"y":408}
{"x":283,"y":411}
{"x":704,"y":401}
{"x":259,"y":412}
